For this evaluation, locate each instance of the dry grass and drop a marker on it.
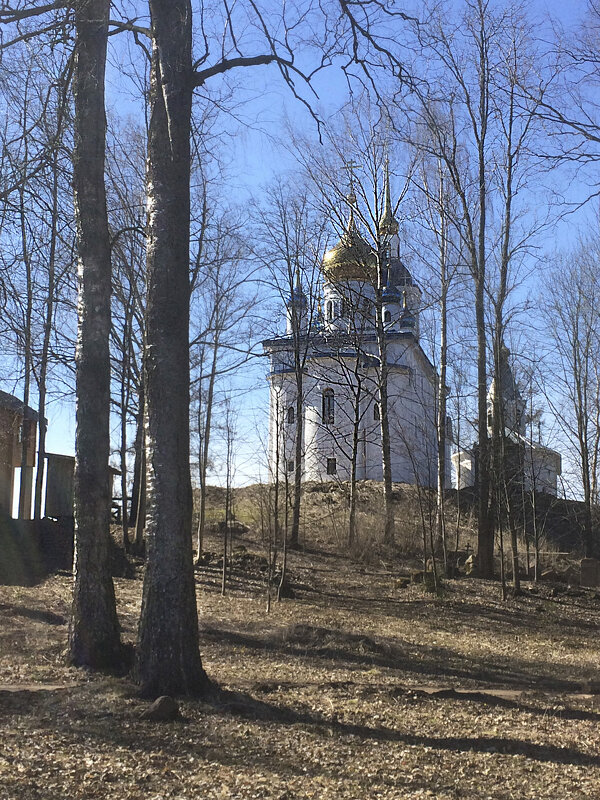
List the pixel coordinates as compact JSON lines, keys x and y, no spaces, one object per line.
{"x":356,"y":688}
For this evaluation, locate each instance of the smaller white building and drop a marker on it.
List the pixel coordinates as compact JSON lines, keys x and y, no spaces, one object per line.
{"x":537,"y":465}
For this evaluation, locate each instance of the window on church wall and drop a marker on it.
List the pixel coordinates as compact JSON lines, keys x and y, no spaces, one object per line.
{"x":329,"y":310}
{"x":328,"y":406}
{"x":331,"y":466}
{"x":387,"y":317}
{"x":291,"y":415}
{"x":376,"y":412}
{"x":290,"y":465}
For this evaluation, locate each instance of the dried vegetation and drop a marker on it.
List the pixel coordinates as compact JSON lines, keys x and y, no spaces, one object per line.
{"x":357,"y":687}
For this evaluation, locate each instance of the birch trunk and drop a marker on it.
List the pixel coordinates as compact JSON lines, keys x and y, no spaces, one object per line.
{"x":94,"y":631}
{"x":386,"y":450}
{"x":168,"y":657}
{"x":48,"y":327}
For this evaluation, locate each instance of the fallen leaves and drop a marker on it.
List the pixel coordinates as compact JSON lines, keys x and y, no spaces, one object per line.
{"x":349,"y":691}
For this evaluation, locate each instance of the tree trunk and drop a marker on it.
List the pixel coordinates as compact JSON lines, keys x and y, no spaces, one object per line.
{"x":441,"y":415}
{"x":125,"y":396}
{"x":27,"y":427}
{"x":353,"y":463}
{"x":168,"y":657}
{"x":138,"y":446}
{"x":354,"y":453}
{"x":485,"y":523}
{"x":140,"y":514}
{"x":295,"y":531}
{"x":485,"y":527}
{"x":48,"y":327}
{"x":206,"y":441}
{"x":94,"y":630}
{"x":386,"y":451}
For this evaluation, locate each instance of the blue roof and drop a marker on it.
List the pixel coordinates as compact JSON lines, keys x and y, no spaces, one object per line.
{"x":391,"y":294}
{"x":297,"y":296}
{"x":407,"y":320}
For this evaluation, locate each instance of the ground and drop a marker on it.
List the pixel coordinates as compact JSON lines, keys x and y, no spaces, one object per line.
{"x":357,"y":687}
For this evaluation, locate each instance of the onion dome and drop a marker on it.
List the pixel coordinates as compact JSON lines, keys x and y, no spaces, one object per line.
{"x":390,"y":294}
{"x":388,"y":224}
{"x":351,"y":258}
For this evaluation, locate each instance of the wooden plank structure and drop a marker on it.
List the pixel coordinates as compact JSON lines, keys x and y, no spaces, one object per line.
{"x":18,"y":429}
{"x":59,"y":486}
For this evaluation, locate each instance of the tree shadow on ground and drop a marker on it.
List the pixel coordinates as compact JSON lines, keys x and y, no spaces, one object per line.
{"x":34,"y":614}
{"x":359,"y":651}
{"x":526,"y":613}
{"x":246,"y":706}
{"x":176,"y":739}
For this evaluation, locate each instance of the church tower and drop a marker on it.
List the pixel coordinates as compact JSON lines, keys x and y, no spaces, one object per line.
{"x":296,"y":309}
{"x":506,"y":390}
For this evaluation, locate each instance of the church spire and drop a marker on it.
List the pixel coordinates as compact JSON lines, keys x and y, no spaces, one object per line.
{"x":351,"y":229}
{"x":388,"y":225}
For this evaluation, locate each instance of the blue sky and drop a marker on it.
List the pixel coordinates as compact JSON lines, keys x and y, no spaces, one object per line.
{"x":255,"y":157}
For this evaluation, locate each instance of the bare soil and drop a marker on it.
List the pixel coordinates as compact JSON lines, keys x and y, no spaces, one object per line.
{"x":356,"y":687}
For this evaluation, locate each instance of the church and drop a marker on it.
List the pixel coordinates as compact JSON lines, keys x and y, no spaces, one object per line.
{"x":336,"y":348}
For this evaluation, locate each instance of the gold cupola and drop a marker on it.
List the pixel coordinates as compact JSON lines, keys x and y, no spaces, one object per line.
{"x":351,"y":259}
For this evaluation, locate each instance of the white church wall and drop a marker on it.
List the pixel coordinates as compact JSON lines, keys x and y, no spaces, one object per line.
{"x":463,"y":463}
{"x":542,"y":468}
{"x":411,"y":410}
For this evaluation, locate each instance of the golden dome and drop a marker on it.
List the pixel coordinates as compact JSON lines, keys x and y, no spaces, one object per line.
{"x":351,"y":258}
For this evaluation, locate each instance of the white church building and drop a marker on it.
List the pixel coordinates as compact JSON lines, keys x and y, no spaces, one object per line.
{"x":338,"y":347}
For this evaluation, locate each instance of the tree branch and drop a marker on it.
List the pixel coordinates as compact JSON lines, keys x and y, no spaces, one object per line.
{"x":8,"y":14}
{"x":200,"y":77}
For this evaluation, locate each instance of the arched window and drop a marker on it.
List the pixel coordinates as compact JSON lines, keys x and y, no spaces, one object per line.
{"x":387,"y":317}
{"x":329,"y":310}
{"x":291,"y":415}
{"x":342,"y":308}
{"x":328,"y":406}
{"x":376,"y":412}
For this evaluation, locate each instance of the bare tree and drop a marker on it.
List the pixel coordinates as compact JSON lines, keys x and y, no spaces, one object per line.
{"x":224,"y":299}
{"x":573,"y":322}
{"x":473,"y":118}
{"x":167,"y":652}
{"x":360,"y":148}
{"x":35,"y":231}
{"x":94,"y":631}
{"x":291,"y":244}
{"x":167,"y":656}
{"x":440,"y":248}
